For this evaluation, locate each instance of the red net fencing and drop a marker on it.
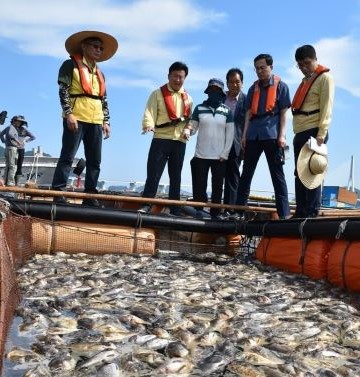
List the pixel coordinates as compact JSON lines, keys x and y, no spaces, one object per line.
{"x":21,"y":237}
{"x":15,"y":248}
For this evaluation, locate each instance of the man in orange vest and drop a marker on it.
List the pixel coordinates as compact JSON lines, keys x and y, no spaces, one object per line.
{"x":167,"y":112}
{"x":312,"y":109}
{"x":265,"y":121}
{"x":85,"y":108}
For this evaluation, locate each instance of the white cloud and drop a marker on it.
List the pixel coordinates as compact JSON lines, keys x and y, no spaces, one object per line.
{"x":143,"y":27}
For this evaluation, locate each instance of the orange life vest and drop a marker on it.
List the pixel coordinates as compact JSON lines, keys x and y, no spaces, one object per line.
{"x":303,"y":90}
{"x":169,"y":104}
{"x":85,"y":78}
{"x":270,"y":98}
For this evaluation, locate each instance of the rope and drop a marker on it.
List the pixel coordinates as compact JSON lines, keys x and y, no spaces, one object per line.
{"x":304,"y":243}
{"x":342,"y":227}
{"x":53,"y":228}
{"x":34,"y":163}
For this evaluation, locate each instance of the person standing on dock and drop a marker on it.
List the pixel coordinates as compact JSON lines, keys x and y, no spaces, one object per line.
{"x":83,"y":99}
{"x":312,"y":110}
{"x":213,"y":121}
{"x":10,"y":137}
{"x":167,"y":112}
{"x":235,"y":100}
{"x":25,"y":136}
{"x":267,"y":102}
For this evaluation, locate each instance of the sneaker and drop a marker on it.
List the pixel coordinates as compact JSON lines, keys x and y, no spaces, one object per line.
{"x":91,"y":203}
{"x":237,"y":216}
{"x":60,"y":200}
{"x":146,"y":208}
{"x":227,"y":214}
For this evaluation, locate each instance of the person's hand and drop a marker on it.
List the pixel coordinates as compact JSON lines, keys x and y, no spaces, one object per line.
{"x":320,"y":140}
{"x":186,"y":133}
{"x":106,"y":130}
{"x":72,"y":123}
{"x":243,"y":142}
{"x":281,"y":141}
{"x":147,"y":129}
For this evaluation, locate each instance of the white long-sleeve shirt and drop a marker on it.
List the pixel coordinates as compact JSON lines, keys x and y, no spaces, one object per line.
{"x":215,"y":131}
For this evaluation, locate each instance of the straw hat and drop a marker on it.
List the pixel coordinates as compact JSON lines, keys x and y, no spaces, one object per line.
{"x":311,"y":167}
{"x":110,"y":44}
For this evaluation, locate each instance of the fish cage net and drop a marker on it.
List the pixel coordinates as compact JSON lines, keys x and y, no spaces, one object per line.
{"x":22,"y":237}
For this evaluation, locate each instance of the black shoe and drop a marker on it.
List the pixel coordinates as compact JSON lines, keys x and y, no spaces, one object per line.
{"x":146,"y":208}
{"x":176,"y":212}
{"x":199,"y":214}
{"x":91,"y":203}
{"x":60,"y":200}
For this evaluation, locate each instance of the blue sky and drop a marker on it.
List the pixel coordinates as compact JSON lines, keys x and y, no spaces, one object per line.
{"x":210,"y":36}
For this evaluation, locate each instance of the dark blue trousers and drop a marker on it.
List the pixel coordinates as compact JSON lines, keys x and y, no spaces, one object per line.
{"x":253,"y":151}
{"x":164,"y":151}
{"x":232,"y":178}
{"x":91,"y":135}
{"x":308,"y":201}
{"x":199,"y":172}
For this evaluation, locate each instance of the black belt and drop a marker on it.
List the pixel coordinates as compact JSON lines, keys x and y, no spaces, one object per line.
{"x":85,"y":95}
{"x":307,"y":113}
{"x":173,"y":122}
{"x":263,"y":115}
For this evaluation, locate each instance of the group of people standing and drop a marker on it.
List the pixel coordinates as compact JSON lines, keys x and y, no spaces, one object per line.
{"x":230,"y":127}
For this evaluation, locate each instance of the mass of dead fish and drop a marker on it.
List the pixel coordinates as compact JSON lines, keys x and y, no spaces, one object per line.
{"x":124,"y":316}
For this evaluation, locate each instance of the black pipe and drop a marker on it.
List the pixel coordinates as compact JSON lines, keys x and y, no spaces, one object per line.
{"x":342,"y":227}
{"x":73,"y":212}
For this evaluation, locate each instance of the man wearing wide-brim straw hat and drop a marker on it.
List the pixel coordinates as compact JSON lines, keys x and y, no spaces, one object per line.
{"x":83,"y":99}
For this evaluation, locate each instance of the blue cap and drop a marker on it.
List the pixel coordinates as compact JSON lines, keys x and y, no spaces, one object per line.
{"x":215,"y":82}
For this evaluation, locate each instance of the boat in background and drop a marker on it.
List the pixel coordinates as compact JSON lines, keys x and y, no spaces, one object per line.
{"x":38,"y":168}
{"x":342,"y":197}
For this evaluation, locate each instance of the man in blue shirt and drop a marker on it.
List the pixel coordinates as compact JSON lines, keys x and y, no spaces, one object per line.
{"x":267,"y":101}
{"x":235,"y":99}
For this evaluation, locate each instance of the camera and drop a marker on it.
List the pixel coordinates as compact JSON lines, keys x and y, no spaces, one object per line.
{"x":281,"y":155}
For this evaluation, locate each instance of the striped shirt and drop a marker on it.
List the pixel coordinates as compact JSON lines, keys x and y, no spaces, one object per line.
{"x":215,"y":131}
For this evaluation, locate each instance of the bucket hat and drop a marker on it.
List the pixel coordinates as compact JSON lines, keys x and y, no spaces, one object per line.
{"x":215,"y":82}
{"x":311,"y":167}
{"x":3,"y":116}
{"x":110,"y":44}
{"x":20,"y":118}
